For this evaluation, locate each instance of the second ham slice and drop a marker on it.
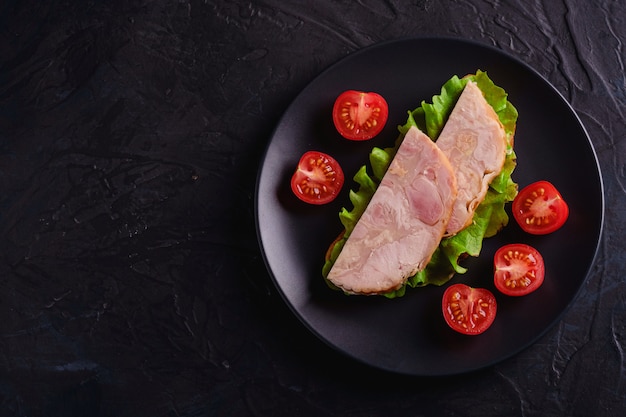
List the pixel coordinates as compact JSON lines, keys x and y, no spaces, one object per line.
{"x":474,"y":141}
{"x":404,"y":222}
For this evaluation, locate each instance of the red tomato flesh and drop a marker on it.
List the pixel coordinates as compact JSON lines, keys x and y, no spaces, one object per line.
{"x":359,"y":115}
{"x":539,"y":208}
{"x":468,"y":310}
{"x":318,"y":178}
{"x":519,"y":269}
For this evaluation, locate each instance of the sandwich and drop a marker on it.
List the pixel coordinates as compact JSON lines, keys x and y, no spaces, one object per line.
{"x":432,"y":198}
{"x":403,"y":223}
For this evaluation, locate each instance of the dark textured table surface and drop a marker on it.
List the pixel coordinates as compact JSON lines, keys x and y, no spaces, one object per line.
{"x":131,"y":280}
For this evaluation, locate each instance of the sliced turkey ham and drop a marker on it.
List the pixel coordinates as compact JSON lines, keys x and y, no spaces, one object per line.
{"x":474,"y":141}
{"x":403,"y":223}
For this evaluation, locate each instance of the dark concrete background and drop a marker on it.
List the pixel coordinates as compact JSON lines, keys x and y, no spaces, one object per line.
{"x":131,"y":280}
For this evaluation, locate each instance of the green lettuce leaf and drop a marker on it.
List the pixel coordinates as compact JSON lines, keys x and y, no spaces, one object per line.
{"x":489,"y":217}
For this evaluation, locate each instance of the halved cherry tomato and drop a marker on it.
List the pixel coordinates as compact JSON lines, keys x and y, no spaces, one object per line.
{"x":359,"y":115}
{"x":468,"y":310}
{"x":318,"y":178}
{"x":518,"y":269}
{"x":539,"y":208}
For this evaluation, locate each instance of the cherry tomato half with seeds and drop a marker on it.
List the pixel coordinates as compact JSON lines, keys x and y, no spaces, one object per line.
{"x":539,"y":208}
{"x":518,"y":269}
{"x":468,"y":310}
{"x":318,"y":178}
{"x":360,"y":115}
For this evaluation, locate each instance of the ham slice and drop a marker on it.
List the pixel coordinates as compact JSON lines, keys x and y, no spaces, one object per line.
{"x":403,"y":223}
{"x":474,"y":141}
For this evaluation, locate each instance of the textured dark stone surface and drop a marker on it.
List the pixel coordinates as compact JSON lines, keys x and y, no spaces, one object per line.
{"x":131,"y":281}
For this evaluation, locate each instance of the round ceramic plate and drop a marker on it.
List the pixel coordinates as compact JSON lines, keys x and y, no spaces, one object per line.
{"x":408,"y":335}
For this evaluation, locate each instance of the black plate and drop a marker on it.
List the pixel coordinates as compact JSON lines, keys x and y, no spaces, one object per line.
{"x":408,"y":335}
